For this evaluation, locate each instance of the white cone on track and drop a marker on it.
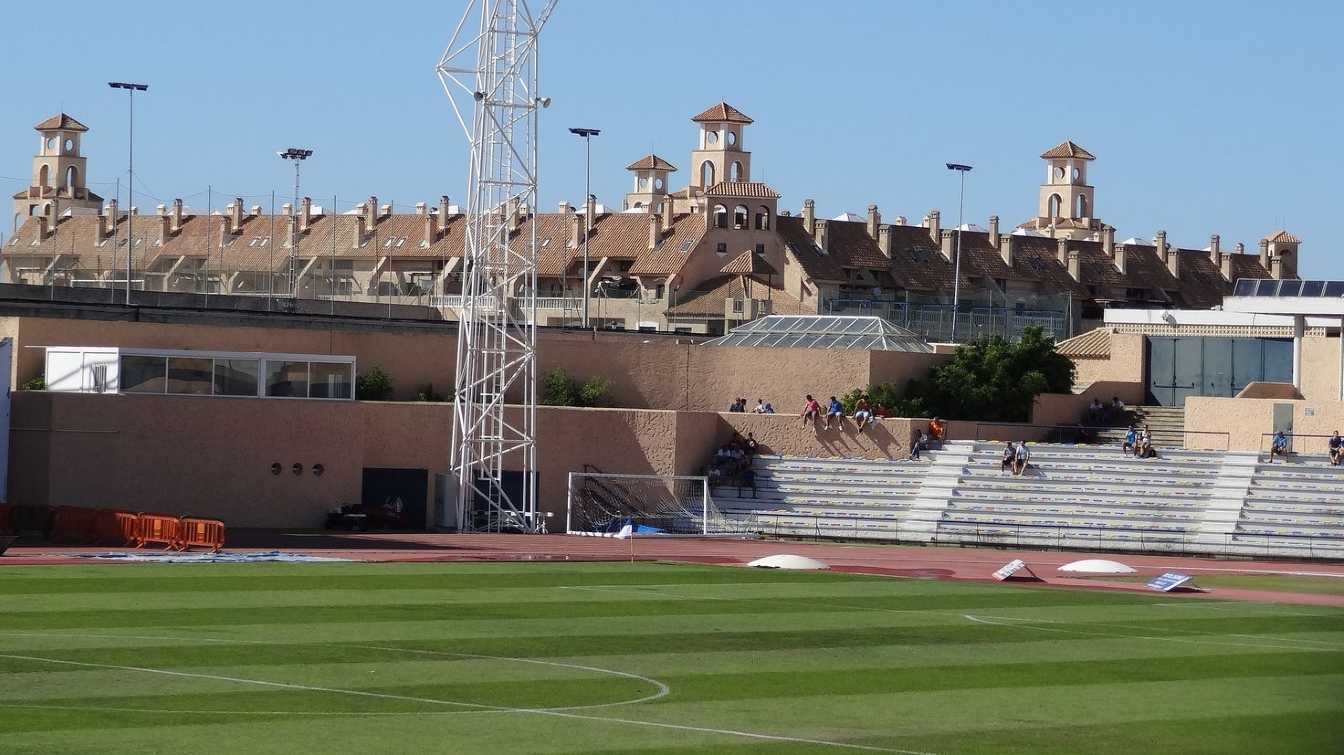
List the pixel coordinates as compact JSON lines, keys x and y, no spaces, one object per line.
{"x":785,"y":561}
{"x":1097,"y":566}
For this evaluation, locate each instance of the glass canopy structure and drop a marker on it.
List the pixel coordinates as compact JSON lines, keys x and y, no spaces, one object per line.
{"x":824,"y":332}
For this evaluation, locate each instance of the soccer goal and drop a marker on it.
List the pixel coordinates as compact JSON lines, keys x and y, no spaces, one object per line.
{"x":612,"y":505}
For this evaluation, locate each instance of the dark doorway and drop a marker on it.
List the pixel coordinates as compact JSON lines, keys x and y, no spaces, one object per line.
{"x":395,"y":498}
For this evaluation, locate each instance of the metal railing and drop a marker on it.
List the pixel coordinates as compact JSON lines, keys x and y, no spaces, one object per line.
{"x":934,"y":321}
{"x":1071,"y":434}
{"x":1267,"y":443}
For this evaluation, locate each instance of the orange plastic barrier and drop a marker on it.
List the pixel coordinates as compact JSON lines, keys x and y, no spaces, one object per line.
{"x":206,"y":533}
{"x":115,"y":527}
{"x":74,"y":524}
{"x":158,"y":529}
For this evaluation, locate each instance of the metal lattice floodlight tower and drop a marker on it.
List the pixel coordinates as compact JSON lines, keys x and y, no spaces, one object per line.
{"x":492,"y":60}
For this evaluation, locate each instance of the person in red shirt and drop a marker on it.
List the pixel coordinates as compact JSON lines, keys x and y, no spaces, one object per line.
{"x":811,"y":410}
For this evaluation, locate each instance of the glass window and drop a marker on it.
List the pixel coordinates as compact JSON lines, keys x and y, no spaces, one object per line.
{"x":287,"y":379}
{"x":235,"y":377}
{"x":1266,"y":288}
{"x":1334,"y":288}
{"x":328,"y":380}
{"x":190,"y":375}
{"x":1290,"y":288}
{"x":1312,"y":288}
{"x":141,"y":374}
{"x":1245,"y":287}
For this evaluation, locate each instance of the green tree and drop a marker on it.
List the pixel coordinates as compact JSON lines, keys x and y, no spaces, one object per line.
{"x":995,"y":380}
{"x":559,"y":388}
{"x":373,"y":385}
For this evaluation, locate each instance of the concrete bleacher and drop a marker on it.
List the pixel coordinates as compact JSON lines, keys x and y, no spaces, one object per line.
{"x":1091,"y":497}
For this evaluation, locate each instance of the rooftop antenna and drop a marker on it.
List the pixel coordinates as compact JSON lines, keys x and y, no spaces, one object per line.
{"x":490,"y":74}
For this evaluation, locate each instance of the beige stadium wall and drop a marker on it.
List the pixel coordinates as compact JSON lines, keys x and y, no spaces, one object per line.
{"x":1125,"y":364}
{"x":1320,"y":368}
{"x":1247,"y":420}
{"x":643,"y":372}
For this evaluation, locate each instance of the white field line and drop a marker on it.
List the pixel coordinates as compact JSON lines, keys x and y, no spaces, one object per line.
{"x":1011,"y":621}
{"x":475,"y":707}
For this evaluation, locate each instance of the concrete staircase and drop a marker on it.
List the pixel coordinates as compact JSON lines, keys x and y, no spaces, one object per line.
{"x":1166,"y":423}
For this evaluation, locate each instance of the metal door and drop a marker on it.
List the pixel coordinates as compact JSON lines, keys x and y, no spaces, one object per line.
{"x":1189,"y":369}
{"x":1217,"y":370}
{"x":1248,"y":363}
{"x":1161,"y":369}
{"x":1278,"y":361}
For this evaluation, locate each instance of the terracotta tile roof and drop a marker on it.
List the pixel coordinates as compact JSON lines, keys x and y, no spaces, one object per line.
{"x":1068,"y":149}
{"x":651,"y":162}
{"x":722,"y":113}
{"x":709,"y":298}
{"x":1283,"y":237}
{"x":62,"y":122}
{"x":1095,"y":343}
{"x":678,"y":244}
{"x":799,"y":247}
{"x":918,"y":264}
{"x":748,"y":263}
{"x":742,"y":189}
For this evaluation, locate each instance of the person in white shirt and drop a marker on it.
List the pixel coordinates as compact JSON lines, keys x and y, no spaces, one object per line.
{"x":1021,"y":459}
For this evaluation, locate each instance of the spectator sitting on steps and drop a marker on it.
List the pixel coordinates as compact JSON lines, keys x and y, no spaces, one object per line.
{"x":1279,"y":447}
{"x":747,"y":479}
{"x":1336,"y":445}
{"x":1130,"y":444}
{"x":1009,"y":456}
{"x":937,"y":431}
{"x":763,"y":407}
{"x":1021,"y":459}
{"x":1117,"y":409}
{"x":811,"y":410}
{"x":919,"y":446}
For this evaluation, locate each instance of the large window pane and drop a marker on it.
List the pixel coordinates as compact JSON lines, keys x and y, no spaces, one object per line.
{"x":143,"y":374}
{"x":190,"y":375}
{"x":236,"y":377}
{"x":287,"y":379}
{"x":328,"y":380}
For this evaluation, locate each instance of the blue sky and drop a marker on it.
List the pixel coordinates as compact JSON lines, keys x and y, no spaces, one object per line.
{"x":1205,"y":117}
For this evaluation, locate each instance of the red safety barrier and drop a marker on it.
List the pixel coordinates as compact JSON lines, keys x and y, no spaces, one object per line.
{"x":158,"y":529}
{"x":206,"y":533}
{"x":74,"y":524}
{"x":116,"y":527}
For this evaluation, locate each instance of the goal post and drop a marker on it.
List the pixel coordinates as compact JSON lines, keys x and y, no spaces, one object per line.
{"x":610,"y":505}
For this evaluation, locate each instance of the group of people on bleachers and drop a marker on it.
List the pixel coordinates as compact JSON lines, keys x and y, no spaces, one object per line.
{"x":732,"y":463}
{"x":865,"y":415}
{"x":1104,"y":414}
{"x":1016,"y":457}
{"x":1139,"y":443}
{"x":1281,"y":447}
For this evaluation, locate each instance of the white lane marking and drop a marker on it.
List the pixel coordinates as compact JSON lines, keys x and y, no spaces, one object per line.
{"x":174,"y":711}
{"x":473,"y":706}
{"x":1010,"y":621}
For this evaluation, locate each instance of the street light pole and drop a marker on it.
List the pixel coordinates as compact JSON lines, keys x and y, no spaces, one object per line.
{"x":131,"y":89}
{"x":961,"y":221}
{"x":298,"y":156}
{"x":587,"y":135}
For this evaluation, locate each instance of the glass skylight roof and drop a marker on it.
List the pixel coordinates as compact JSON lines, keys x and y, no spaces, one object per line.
{"x":1288,"y":287}
{"x":824,"y":332}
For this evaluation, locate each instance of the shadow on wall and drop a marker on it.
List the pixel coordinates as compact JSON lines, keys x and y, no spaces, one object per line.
{"x":787,"y":435}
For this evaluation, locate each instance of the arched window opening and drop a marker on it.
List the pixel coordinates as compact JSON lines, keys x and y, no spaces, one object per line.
{"x":732,"y":138}
{"x":720,"y":216}
{"x":639,"y":205}
{"x":762,"y":218}
{"x":735,"y":173}
{"x":706,"y":173}
{"x":1082,"y":206}
{"x":1059,"y":174}
{"x":1055,"y":203}
{"x":741,"y":217}
{"x":44,"y":176}
{"x":70,"y":177}
{"x":658,"y":184}
{"x":644,"y":183}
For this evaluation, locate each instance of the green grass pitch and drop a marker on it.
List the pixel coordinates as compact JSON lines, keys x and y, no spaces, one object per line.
{"x":570,"y":658}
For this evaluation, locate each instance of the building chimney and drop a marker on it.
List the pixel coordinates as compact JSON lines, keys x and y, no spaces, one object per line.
{"x":994,"y":230}
{"x":1276,"y":267}
{"x":1264,"y":253}
{"x":1161,"y":244}
{"x":443,"y":212}
{"x":1120,"y":262}
{"x":810,"y":217}
{"x":361,"y":225}
{"x":1240,"y":248}
{"x":287,"y":210}
{"x":935,"y":219}
{"x":1216,"y":249}
{"x":514,"y":219}
{"x":44,"y":225}
{"x":1225,"y":267}
{"x":165,"y":223}
{"x":1062,"y":250}
{"x":655,"y":229}
{"x":428,"y":222}
{"x":1108,"y":240}
{"x":564,"y":207}
{"x":371,"y":213}
{"x":1075,"y":265}
{"x":946,"y":241}
{"x":874,"y":221}
{"x":822,"y":235}
{"x":177,"y":215}
{"x":575,"y":229}
{"x":902,"y":220}
{"x":256,"y":210}
{"x":884,"y":240}
{"x":305,"y":214}
{"x":1171,"y":257}
{"x":235,"y":212}
{"x":1007,"y":250}
{"x":669,"y":214}
{"x":589,"y":213}
{"x":110,"y":218}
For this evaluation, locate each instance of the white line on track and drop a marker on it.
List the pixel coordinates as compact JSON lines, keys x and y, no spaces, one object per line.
{"x":472,"y":706}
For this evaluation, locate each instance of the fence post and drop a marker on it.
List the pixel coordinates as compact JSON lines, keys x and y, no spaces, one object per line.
{"x":569,"y":502}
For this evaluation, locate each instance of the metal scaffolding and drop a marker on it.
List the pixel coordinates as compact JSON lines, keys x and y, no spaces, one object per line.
{"x":492,"y":59}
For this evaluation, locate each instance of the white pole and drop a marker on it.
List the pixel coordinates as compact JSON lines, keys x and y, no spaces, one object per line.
{"x":569,"y":502}
{"x":704,"y":501}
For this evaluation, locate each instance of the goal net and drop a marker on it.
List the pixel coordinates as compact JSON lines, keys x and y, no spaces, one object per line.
{"x":621,"y":505}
